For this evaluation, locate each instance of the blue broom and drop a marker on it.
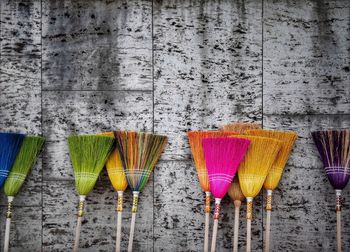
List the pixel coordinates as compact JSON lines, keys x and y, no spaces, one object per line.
{"x":10,"y":144}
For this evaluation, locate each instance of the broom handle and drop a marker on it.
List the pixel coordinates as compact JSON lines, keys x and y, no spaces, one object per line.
{"x":8,"y":223}
{"x":268,"y":220}
{"x":249,"y":223}
{"x":207,"y":219}
{"x":133,"y":218}
{"x":338,"y":210}
{"x":216,"y":222}
{"x":119,"y":220}
{"x":80,"y":216}
{"x":235,"y":234}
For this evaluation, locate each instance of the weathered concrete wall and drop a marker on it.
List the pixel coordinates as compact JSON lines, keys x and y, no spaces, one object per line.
{"x":168,"y":67}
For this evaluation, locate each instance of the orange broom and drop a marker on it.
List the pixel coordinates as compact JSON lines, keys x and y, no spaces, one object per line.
{"x":241,"y":127}
{"x":195,"y":139}
{"x":288,"y":139}
{"x":253,"y":170}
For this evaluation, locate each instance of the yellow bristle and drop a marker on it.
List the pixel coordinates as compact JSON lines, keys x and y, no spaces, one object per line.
{"x":235,"y":191}
{"x":241,"y":128}
{"x":288,"y":139}
{"x":195,"y":139}
{"x":115,"y":168}
{"x":256,"y":164}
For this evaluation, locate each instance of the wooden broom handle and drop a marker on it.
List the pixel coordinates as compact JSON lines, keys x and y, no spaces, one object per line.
{"x":249,"y":223}
{"x":268,"y":220}
{"x":216,"y":222}
{"x":338,"y":210}
{"x":207,"y":219}
{"x":8,"y":223}
{"x":119,"y":220}
{"x":236,"y":226}
{"x":133,"y":218}
{"x":80,"y":217}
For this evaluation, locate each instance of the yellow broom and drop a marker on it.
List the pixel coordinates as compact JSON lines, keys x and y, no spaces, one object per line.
{"x":241,"y":127}
{"x":253,"y":170}
{"x":116,"y":174}
{"x":288,"y":139}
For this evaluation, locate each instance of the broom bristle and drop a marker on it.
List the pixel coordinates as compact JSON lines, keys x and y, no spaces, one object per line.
{"x":10,"y":144}
{"x":288,"y":139}
{"x":115,"y":168}
{"x":139,"y":153}
{"x":88,"y":155}
{"x":195,"y":139}
{"x":25,"y":160}
{"x":222,"y":158}
{"x":256,"y":164}
{"x":240,"y":127}
{"x":235,"y":191}
{"x":334,"y":149}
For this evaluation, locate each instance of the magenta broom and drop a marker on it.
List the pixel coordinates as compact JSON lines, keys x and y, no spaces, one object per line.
{"x":222,"y":158}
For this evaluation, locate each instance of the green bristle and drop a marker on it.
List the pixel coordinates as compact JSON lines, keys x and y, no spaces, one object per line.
{"x":25,"y":160}
{"x":88,"y":154}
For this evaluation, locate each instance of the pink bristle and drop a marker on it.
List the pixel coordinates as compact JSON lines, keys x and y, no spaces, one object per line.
{"x":222,"y":157}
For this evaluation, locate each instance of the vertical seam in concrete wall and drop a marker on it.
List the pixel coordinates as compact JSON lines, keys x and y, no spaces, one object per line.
{"x":41,"y":119}
{"x":152,"y":48}
{"x":262,"y":110}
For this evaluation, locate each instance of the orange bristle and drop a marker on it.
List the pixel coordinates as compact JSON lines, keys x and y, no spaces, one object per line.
{"x":241,"y":127}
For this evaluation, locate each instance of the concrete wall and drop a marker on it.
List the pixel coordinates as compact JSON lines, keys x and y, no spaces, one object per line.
{"x":83,"y":66}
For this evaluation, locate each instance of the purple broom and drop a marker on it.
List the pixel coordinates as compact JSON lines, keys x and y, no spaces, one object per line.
{"x":222,"y":158}
{"x":334,"y":149}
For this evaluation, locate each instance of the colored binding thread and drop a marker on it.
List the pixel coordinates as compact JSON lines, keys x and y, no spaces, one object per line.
{"x":217,"y":211}
{"x":135,"y":201}
{"x":249,"y":210}
{"x":120,"y":202}
{"x":81,"y":208}
{"x":338,"y":201}
{"x":207,"y":202}
{"x":269,"y":200}
{"x":9,"y":210}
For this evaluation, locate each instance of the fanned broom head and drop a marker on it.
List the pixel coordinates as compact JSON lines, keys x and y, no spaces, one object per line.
{"x":240,"y":127}
{"x":256,"y":164}
{"x":288,"y":139}
{"x":222,"y":158}
{"x":10,"y":144}
{"x":139,"y":153}
{"x":25,"y":160}
{"x":334,"y":149}
{"x":235,"y":191}
{"x":115,"y":168}
{"x":195,"y":139}
{"x":88,"y":154}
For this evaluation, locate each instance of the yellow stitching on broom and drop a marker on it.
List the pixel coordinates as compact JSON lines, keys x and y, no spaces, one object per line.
{"x":81,"y":208}
{"x":249,"y":210}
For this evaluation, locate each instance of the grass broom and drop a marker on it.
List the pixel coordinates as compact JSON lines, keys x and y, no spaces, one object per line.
{"x":271,"y":182}
{"x":334,"y":149}
{"x":117,"y":177}
{"x":222,"y":158}
{"x":241,"y":127}
{"x":195,"y":139}
{"x":237,"y":197}
{"x":10,"y":144}
{"x":139,"y":153}
{"x":253,"y":170}
{"x":88,"y":154}
{"x":25,"y":160}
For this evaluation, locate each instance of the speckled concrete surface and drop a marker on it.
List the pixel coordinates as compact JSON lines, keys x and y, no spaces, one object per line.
{"x":170,"y":66}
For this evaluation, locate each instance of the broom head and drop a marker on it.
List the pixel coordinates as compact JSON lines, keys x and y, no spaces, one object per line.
{"x":222,"y":158}
{"x":288,"y":139}
{"x":139,"y":153}
{"x":88,"y":155}
{"x":334,"y":149}
{"x":115,"y":168}
{"x":10,"y":144}
{"x":235,"y":191}
{"x":25,"y":160}
{"x":240,"y":127}
{"x":256,"y":164}
{"x":195,"y":139}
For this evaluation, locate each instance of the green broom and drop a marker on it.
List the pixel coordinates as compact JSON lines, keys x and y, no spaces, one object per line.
{"x":88,"y":155}
{"x":25,"y":160}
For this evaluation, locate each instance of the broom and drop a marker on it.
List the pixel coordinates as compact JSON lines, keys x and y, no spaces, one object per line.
{"x":334,"y":149}
{"x":287,"y":138}
{"x":139,"y":153}
{"x":10,"y":144}
{"x":117,"y":177}
{"x":88,"y":154}
{"x":222,"y":158}
{"x":25,"y":160}
{"x":241,"y":127}
{"x":253,"y":170}
{"x":195,"y":139}
{"x":237,"y":197}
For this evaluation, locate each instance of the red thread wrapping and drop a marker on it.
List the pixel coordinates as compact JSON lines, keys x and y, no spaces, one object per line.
{"x":217,"y":211}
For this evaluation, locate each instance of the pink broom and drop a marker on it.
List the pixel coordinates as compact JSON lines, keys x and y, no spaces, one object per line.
{"x":222,"y":158}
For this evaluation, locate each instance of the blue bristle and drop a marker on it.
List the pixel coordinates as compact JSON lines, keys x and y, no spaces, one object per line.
{"x":10,"y":144}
